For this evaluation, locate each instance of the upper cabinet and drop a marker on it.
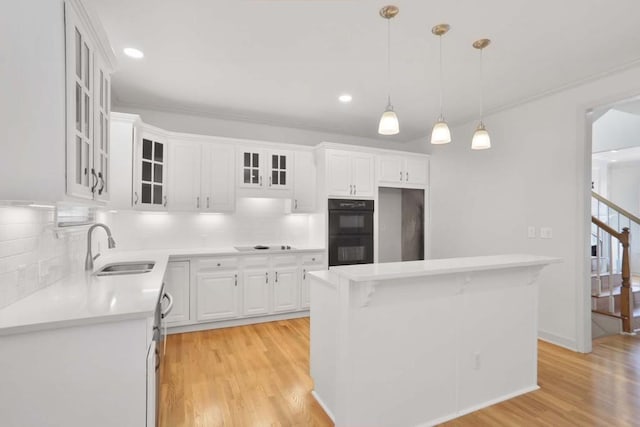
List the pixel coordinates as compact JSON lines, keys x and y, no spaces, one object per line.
{"x":201,"y":177}
{"x":403,"y":171}
{"x":149,"y":176}
{"x":349,"y":174}
{"x":265,"y":173}
{"x":304,"y":183}
{"x":88,"y":100}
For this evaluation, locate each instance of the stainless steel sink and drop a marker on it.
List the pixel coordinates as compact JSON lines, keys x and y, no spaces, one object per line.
{"x":134,"y":267}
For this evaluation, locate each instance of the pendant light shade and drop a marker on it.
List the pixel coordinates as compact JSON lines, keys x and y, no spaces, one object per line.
{"x":389,"y":124}
{"x":440,"y":133}
{"x":481,"y":139}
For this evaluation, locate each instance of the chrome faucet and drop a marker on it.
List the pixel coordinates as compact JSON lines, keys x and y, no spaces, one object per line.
{"x":88,"y":263}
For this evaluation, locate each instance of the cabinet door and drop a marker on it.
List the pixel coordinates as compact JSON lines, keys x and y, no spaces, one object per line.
{"x":279,"y":167}
{"x":417,"y":171}
{"x":251,"y":168}
{"x":390,"y":170}
{"x":149,"y":189}
{"x":338,"y":174}
{"x":81,"y":177}
{"x":304,"y":185}
{"x":256,"y":292}
{"x":176,"y":282}
{"x":216,"y":296}
{"x":183,"y":193}
{"x":362,"y":175}
{"x":305,"y":291}
{"x":218,"y":187}
{"x":285,"y":289}
{"x":101,"y":145}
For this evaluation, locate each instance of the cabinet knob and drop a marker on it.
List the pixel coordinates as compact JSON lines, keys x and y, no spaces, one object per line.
{"x":218,"y":264}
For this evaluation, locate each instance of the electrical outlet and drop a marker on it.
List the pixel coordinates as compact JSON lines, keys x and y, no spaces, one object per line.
{"x":531,"y":232}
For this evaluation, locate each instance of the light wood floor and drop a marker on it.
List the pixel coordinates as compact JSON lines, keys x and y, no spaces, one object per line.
{"x":258,"y":376}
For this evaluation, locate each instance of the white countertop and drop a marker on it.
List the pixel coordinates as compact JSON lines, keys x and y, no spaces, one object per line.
{"x":83,"y":298}
{"x":432,"y":267}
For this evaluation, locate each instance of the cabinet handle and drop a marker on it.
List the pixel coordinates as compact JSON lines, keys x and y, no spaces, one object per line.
{"x":236,"y":279}
{"x":304,"y":274}
{"x":165,"y":201}
{"x":260,"y":180}
{"x":135,"y":202}
{"x":198,"y":202}
{"x":102,"y":181}
{"x":276,"y":277}
{"x":266,"y":277}
{"x":270,"y":181}
{"x":207,"y":202}
{"x":355,"y":191}
{"x":406,"y":176}
{"x":350,"y":189}
{"x":400,"y":175}
{"x":296,"y":204}
{"x":95,"y":183}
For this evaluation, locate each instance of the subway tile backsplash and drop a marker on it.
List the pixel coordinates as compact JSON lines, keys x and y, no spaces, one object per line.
{"x":33,"y":254}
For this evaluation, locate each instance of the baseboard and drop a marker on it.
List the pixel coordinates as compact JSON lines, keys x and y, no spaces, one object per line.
{"x":482,"y":405}
{"x":558,"y":340}
{"x":323,"y":406}
{"x":235,"y":322}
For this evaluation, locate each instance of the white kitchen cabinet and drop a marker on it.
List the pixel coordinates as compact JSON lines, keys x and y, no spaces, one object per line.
{"x":200,"y":176}
{"x":265,"y":171}
{"x":349,"y":174}
{"x":256,"y":289}
{"x":310,"y":262}
{"x":88,"y":107}
{"x":403,"y":171}
{"x":177,"y":283}
{"x":304,"y":183}
{"x":217,"y":295}
{"x":285,"y":289}
{"x":150,"y":174}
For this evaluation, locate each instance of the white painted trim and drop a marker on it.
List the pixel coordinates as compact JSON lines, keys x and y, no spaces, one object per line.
{"x":561,"y":341}
{"x":324,"y":407}
{"x":236,"y":322}
{"x":91,"y":22}
{"x":368,"y":150}
{"x":480,"y":406}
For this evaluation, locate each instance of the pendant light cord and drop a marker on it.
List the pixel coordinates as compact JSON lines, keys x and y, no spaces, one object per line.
{"x":389,"y":61}
{"x":481,"y":88}
{"x":441,"y":89}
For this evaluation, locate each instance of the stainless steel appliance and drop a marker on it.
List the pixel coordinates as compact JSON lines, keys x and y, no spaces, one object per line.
{"x":350,"y":232}
{"x":154,"y":356}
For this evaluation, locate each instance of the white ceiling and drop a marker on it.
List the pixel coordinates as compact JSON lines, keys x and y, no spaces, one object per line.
{"x":284,"y":62}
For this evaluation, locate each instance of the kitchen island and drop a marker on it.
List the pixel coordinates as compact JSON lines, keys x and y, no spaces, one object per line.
{"x":421,"y":342}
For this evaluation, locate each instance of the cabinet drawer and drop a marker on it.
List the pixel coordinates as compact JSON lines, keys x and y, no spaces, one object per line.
{"x":215,"y":264}
{"x":256,"y":261}
{"x":283,"y":260}
{"x":308,"y":259}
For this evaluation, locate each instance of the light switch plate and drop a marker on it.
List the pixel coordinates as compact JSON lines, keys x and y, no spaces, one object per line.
{"x":546,"y":232}
{"x":531,"y":232}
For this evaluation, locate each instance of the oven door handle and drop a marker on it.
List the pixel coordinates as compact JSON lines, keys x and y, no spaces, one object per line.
{"x":166,"y":312}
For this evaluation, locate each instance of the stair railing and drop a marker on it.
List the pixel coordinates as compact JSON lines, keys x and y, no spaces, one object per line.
{"x":626,"y":309}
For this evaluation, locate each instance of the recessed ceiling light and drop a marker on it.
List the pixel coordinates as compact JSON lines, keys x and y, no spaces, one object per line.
{"x":133,"y":52}
{"x":614,"y":160}
{"x":345,"y":98}
{"x":614,"y":151}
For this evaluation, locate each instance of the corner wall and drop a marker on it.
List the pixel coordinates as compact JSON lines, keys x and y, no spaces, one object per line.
{"x":536,"y":174}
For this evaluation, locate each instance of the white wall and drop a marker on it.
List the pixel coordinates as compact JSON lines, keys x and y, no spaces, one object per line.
{"x":32,"y":254}
{"x":624,"y":185}
{"x":256,"y":221}
{"x":537,"y":173}
{"x":615,"y":130}
{"x":236,"y":129}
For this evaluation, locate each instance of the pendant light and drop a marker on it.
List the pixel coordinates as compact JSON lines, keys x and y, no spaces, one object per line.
{"x":481,"y":140}
{"x":389,"y":121}
{"x":440,"y":133}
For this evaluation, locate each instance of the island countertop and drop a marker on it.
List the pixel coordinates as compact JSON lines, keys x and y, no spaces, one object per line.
{"x":432,"y":267}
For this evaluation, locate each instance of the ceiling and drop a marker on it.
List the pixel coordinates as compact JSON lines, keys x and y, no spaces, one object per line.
{"x":284,"y":62}
{"x":624,"y":155}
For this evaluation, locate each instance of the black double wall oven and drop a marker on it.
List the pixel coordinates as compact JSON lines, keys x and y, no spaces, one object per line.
{"x":350,"y":232}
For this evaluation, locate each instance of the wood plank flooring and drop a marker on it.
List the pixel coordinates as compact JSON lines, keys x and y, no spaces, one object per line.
{"x":258,"y":376}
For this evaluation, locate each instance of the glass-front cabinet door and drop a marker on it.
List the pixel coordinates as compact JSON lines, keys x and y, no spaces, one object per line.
{"x":150,"y":187}
{"x":82,"y":179}
{"x":265,"y":169}
{"x":279,"y":172}
{"x":101,"y":132}
{"x":251,"y":169}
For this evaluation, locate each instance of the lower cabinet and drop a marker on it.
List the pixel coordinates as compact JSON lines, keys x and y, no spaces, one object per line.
{"x":233,"y":287}
{"x":216,"y":296}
